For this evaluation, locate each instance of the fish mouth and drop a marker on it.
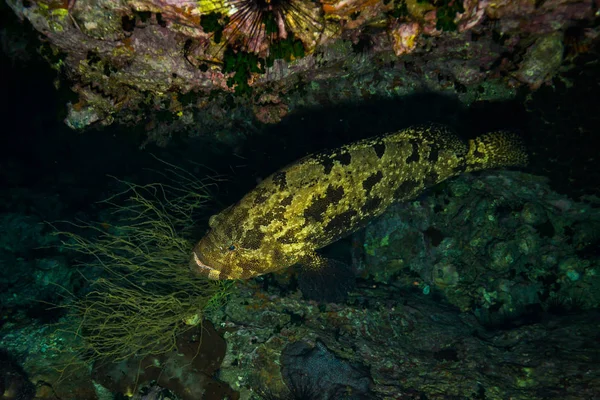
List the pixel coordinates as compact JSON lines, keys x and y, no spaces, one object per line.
{"x":200,"y":263}
{"x":205,"y":269}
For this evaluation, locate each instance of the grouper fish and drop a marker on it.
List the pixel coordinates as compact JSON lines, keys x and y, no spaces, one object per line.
{"x":326,"y":196}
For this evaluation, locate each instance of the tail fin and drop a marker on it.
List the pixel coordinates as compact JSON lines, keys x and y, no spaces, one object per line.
{"x":496,"y":149}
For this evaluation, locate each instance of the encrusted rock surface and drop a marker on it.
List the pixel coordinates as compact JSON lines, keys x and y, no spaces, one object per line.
{"x":175,"y":66}
{"x":409,"y":346}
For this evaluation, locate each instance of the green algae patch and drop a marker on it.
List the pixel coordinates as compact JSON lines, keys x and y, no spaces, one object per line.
{"x":143,"y":295}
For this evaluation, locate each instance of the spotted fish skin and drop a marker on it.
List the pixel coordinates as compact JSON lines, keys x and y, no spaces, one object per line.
{"x":328,"y":195}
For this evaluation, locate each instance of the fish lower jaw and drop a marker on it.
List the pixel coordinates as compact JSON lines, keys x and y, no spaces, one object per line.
{"x":212,"y":273}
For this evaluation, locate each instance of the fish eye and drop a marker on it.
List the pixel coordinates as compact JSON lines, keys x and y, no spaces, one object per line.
{"x":232,"y":247}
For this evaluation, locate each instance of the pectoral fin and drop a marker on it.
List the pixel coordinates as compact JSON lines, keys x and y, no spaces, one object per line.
{"x":325,"y":280}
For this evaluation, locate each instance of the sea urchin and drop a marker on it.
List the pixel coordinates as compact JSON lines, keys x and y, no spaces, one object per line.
{"x":254,"y":25}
